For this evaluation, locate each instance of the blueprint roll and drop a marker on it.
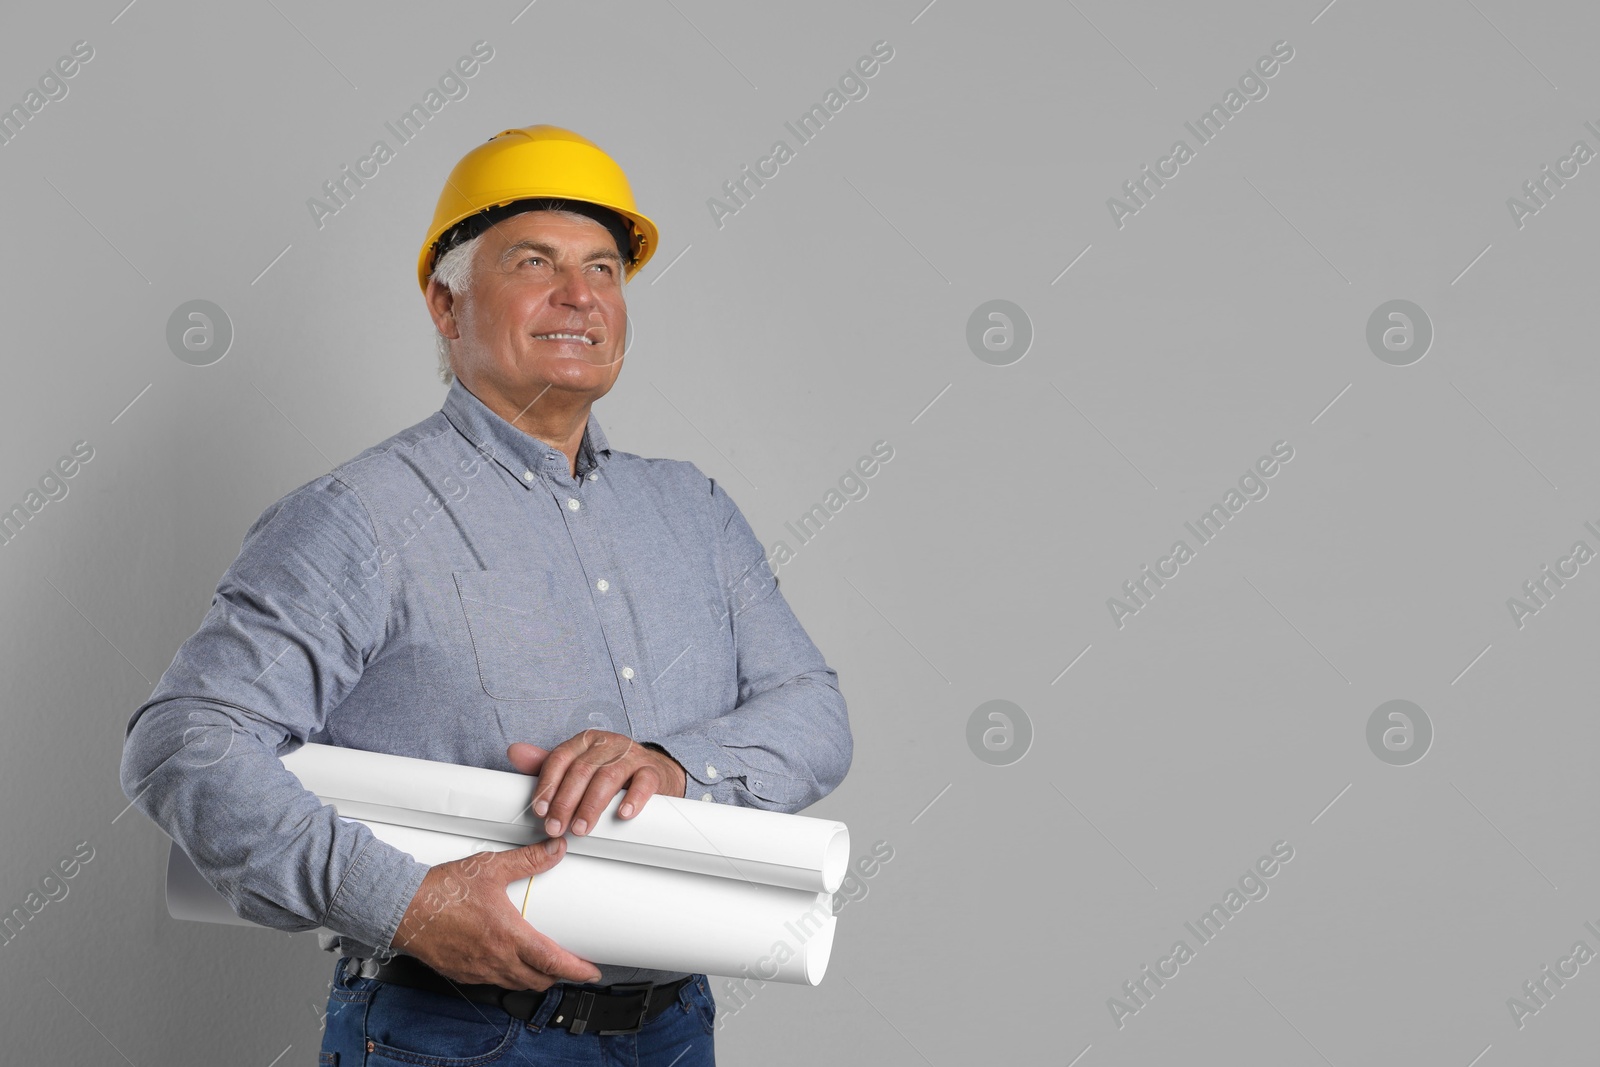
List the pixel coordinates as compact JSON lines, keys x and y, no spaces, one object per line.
{"x":639,"y":915}
{"x":724,"y":840}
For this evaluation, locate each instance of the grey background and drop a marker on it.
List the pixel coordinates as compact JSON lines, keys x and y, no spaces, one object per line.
{"x":829,"y":313}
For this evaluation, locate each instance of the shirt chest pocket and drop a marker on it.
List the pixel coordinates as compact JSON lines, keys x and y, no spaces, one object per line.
{"x":525,"y":635}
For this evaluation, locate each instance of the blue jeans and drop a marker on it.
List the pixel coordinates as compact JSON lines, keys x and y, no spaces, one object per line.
{"x":412,"y":1027}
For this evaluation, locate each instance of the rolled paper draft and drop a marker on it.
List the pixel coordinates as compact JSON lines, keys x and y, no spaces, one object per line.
{"x":725,"y":840}
{"x":637,"y":915}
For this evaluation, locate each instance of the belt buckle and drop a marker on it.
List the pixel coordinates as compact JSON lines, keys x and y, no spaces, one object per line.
{"x":627,"y":988}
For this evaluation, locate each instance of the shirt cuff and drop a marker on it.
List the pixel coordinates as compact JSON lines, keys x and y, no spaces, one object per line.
{"x":711,"y":775}
{"x":374,"y":895}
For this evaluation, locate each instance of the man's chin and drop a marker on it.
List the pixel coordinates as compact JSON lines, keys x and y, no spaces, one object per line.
{"x":599,"y":360}
{"x":578,"y":373}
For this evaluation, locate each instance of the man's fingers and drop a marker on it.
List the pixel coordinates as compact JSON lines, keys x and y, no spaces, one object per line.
{"x":463,"y":923}
{"x":606,"y":783}
{"x":537,"y":951}
{"x":574,"y":784}
{"x":545,"y":956}
{"x":526,"y":758}
{"x":646,"y":783}
{"x":595,"y":751}
{"x":581,"y":775}
{"x":556,"y":762}
{"x":529,"y":860}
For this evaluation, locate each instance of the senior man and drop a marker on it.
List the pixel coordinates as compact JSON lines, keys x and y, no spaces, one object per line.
{"x":495,"y":586}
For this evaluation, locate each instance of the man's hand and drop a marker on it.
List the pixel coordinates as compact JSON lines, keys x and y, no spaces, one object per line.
{"x":462,"y":924}
{"x":578,"y":778}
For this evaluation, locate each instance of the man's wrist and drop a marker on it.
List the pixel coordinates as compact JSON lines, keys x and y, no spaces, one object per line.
{"x":683,"y":789}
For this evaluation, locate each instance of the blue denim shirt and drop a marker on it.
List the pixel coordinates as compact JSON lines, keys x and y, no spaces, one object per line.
{"x":448,"y":592}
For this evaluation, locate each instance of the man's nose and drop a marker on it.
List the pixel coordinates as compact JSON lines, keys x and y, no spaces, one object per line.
{"x":576,"y":288}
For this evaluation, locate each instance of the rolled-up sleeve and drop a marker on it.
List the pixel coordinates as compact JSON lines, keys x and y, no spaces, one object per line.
{"x":292,"y":623}
{"x":787,"y":743}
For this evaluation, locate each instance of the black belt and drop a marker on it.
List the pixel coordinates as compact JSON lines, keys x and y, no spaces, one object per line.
{"x":623,"y":1008}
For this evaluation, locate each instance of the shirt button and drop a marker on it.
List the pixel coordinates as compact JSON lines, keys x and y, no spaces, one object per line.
{"x":573,"y":504}
{"x":527,"y":476}
{"x":707,"y":796}
{"x":711,"y":772}
{"x":593,"y":476}
{"x":627,"y":672}
{"x":602,"y":585}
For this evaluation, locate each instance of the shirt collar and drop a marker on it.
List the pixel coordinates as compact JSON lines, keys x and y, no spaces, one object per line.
{"x":520,"y":453}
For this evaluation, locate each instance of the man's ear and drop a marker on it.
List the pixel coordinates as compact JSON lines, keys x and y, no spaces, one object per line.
{"x":442,"y":308}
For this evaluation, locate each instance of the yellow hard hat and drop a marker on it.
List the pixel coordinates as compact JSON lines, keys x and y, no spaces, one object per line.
{"x":532,"y":162}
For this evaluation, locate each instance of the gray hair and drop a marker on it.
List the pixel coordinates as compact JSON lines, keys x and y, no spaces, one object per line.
{"x":454,"y":271}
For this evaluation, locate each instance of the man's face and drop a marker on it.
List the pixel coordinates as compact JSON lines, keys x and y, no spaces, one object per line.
{"x":538,"y":279}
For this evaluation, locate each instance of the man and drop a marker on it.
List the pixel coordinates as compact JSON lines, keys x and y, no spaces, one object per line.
{"x":495,"y":586}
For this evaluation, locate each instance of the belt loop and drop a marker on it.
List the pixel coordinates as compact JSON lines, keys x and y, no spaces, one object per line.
{"x":580,"y":1015}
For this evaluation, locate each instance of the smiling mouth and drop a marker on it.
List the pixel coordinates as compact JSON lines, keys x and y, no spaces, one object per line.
{"x":564,"y":337}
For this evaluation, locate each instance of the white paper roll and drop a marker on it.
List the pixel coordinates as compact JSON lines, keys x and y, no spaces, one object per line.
{"x":636,"y":915}
{"x":190,"y":896}
{"x":683,"y":885}
{"x":724,"y":840}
